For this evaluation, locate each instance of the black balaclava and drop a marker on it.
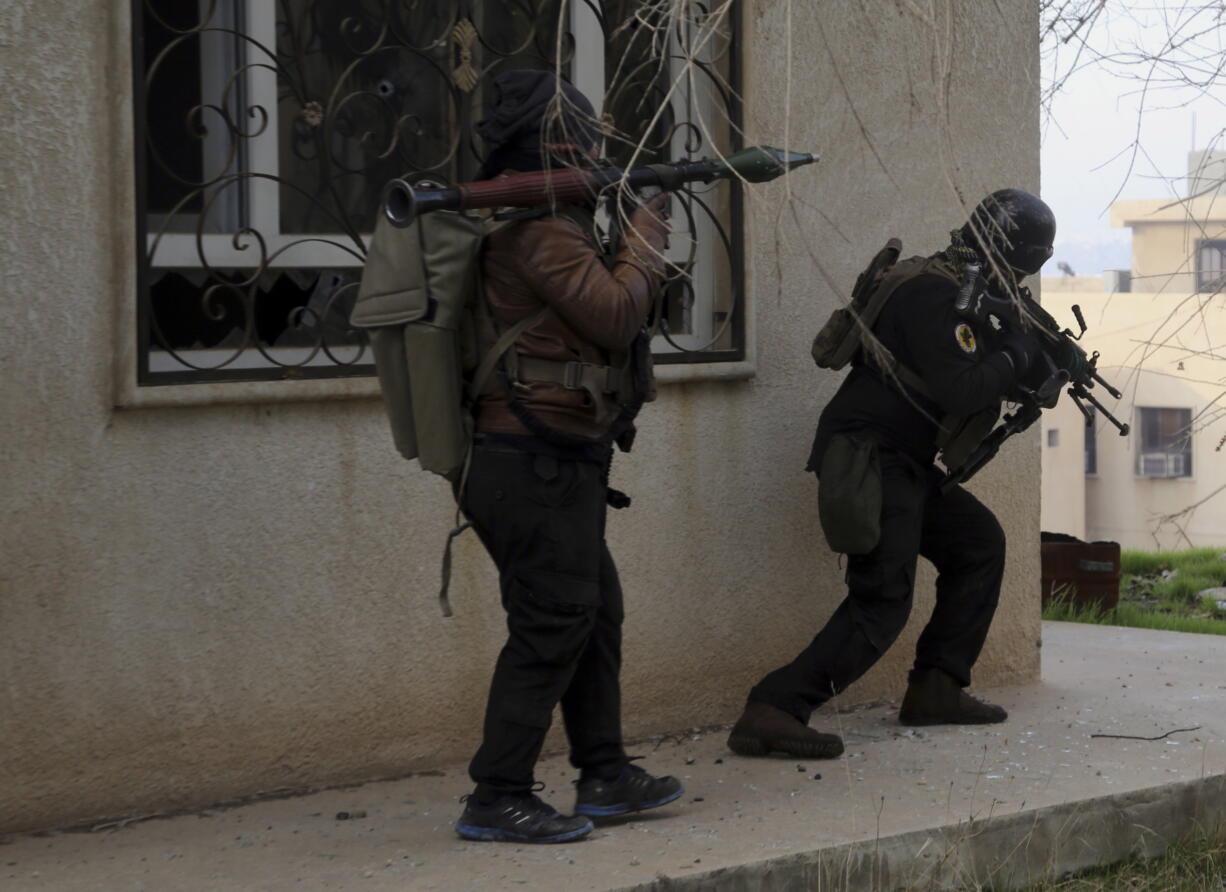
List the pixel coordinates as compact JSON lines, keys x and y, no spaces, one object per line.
{"x":531,"y":109}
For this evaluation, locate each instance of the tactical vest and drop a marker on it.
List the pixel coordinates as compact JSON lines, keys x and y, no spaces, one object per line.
{"x":841,"y":339}
{"x":617,"y":391}
{"x":437,"y":348}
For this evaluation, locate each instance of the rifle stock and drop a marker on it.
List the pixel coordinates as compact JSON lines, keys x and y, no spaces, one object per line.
{"x":1068,"y":366}
{"x":1013,"y":423}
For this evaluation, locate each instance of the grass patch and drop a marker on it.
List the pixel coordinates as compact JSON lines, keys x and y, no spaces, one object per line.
{"x":1196,"y":864}
{"x":1137,"y":562}
{"x":1158,"y":590}
{"x":1132,"y":616}
{"x":1187,"y":573}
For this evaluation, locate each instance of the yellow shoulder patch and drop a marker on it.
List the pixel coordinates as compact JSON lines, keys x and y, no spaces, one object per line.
{"x":966,"y":337}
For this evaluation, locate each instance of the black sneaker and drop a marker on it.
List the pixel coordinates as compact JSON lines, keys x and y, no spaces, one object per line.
{"x":634,"y":790}
{"x":519,"y":819}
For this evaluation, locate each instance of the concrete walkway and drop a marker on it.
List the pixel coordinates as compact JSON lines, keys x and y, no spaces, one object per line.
{"x":947,"y":807}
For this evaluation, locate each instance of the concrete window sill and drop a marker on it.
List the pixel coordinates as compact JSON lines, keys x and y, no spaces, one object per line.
{"x":223,"y":393}
{"x":705,"y":371}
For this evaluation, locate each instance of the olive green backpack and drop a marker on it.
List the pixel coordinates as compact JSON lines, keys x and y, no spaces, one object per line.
{"x":420,"y":304}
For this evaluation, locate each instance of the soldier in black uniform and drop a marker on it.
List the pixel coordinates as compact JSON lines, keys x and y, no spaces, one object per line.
{"x":966,"y":367}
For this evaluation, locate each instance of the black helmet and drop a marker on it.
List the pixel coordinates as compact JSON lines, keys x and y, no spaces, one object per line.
{"x":1015,"y":227}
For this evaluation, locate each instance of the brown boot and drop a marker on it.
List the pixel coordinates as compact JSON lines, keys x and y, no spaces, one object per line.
{"x":763,"y":729}
{"x":934,"y":698}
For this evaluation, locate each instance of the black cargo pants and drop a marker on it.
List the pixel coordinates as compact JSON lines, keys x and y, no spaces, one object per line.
{"x":965,"y":543}
{"x":542,"y":519}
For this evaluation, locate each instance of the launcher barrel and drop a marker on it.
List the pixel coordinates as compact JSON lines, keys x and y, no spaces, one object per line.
{"x":404,"y":202}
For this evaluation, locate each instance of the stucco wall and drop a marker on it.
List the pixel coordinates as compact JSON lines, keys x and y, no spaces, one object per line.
{"x":209,"y":601}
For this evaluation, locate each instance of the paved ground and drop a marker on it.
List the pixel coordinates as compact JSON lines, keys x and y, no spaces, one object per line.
{"x":949,"y":800}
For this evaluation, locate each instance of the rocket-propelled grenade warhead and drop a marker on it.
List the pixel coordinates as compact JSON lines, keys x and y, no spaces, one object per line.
{"x":761,"y":164}
{"x":403,"y":202}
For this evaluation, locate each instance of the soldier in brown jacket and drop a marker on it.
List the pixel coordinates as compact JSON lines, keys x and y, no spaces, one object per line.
{"x":537,"y":489}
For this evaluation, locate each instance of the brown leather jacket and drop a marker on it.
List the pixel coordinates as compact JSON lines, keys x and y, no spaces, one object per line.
{"x":594,"y":310}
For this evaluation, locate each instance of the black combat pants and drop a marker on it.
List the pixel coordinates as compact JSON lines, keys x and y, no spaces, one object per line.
{"x":965,"y":543}
{"x":542,"y":519}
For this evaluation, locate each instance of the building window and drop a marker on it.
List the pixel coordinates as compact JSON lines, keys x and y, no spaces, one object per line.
{"x":1091,"y":446}
{"x":1053,"y":437}
{"x":266,"y":132}
{"x":1210,"y":265}
{"x":1165,"y":444}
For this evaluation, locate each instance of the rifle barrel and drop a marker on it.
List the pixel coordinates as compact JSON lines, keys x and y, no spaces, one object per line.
{"x":1106,"y":385}
{"x":1089,"y":397}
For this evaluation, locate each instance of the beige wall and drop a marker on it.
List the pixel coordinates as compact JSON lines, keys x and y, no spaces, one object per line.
{"x":1063,"y":445}
{"x":213,"y":600}
{"x":1072,"y":283}
{"x":1164,"y":237}
{"x":1152,"y":349}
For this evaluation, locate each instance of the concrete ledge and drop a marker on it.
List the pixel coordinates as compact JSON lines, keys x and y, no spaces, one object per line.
{"x":1002,"y":852}
{"x":1087,"y":770}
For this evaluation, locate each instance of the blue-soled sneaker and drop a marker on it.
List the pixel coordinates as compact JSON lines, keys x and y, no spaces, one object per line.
{"x":519,"y":819}
{"x":634,"y":790}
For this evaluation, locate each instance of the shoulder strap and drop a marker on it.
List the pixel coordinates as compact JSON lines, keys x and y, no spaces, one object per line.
{"x":474,"y":391}
{"x":880,"y":356}
{"x":940,"y":265}
{"x":888,"y":366}
{"x":508,"y":337}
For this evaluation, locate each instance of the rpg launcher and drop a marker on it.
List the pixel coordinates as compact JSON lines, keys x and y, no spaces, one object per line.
{"x":1061,"y":363}
{"x":403,"y":202}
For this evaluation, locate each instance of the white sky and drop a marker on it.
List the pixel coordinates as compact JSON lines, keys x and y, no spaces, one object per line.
{"x":1086,"y":157}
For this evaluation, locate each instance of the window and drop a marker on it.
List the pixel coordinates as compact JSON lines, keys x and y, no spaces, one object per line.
{"x":1210,"y":265}
{"x":266,"y":132}
{"x":1165,"y":444}
{"x":1053,"y":437}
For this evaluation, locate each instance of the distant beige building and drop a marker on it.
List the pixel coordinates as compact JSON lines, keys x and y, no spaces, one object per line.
{"x":1161,"y":330}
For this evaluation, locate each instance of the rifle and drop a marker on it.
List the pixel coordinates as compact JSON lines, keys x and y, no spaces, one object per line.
{"x":403,"y":202}
{"x":1064,"y":363}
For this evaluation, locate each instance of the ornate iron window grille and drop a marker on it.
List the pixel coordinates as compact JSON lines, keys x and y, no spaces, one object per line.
{"x":265,"y":134}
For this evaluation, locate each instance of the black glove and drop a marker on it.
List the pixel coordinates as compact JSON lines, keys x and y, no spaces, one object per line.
{"x":1022,"y":349}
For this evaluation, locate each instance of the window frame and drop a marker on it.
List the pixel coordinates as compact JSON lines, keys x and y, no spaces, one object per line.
{"x":1090,"y":451}
{"x":1218,"y":282}
{"x":1142,"y":452}
{"x":169,"y":251}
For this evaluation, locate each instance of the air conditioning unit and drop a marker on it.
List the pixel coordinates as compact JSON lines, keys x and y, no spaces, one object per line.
{"x":1163,"y":464}
{"x":1153,"y":464}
